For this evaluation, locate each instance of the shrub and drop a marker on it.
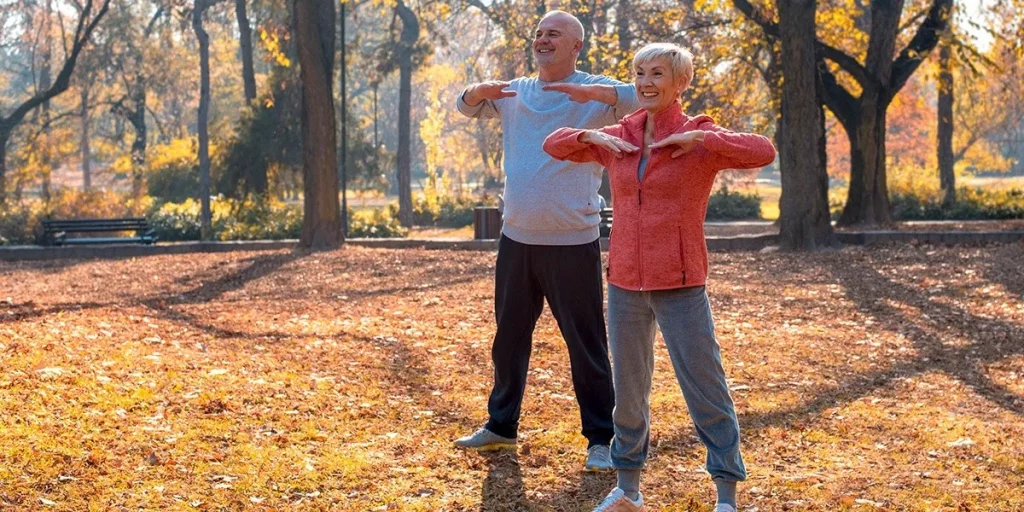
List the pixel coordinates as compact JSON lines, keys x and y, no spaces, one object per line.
{"x":447,"y":211}
{"x":726,"y":205}
{"x":261,"y":218}
{"x":173,"y":222}
{"x":173,"y":174}
{"x":21,"y":222}
{"x":18,"y":223}
{"x":253,"y":219}
{"x":376,"y":223}
{"x":971,"y":204}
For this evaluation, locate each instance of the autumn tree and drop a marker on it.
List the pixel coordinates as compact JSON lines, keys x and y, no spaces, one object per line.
{"x":406,"y":52}
{"x":88,"y":17}
{"x":805,"y":223}
{"x":202,"y":123}
{"x":860,"y":104}
{"x":406,"y":55}
{"x":804,"y":219}
{"x":315,"y":33}
{"x":245,"y":51}
{"x":978,"y":96}
{"x":129,"y":60}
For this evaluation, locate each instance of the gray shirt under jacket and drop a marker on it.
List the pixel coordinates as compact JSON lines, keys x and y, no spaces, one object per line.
{"x":548,"y":201}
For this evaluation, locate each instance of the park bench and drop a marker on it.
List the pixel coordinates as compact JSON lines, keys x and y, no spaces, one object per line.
{"x":487,"y":223}
{"x":55,"y":231}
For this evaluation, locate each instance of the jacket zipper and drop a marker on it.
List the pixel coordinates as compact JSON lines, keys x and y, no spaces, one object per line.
{"x":640,"y":219}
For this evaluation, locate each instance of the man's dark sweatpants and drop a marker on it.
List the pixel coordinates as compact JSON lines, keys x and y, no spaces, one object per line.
{"x":569,"y":277}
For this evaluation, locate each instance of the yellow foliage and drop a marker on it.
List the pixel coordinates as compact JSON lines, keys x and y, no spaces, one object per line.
{"x":180,"y":152}
{"x":272,"y":45}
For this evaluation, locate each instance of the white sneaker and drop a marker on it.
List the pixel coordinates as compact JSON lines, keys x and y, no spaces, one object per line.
{"x":617,"y":501}
{"x":484,"y":440}
{"x":724,"y":507}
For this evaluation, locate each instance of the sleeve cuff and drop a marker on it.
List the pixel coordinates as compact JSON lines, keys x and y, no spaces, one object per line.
{"x":623,"y":93}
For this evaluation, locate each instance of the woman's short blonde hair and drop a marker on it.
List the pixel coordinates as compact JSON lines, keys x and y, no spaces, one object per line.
{"x":680,"y":58}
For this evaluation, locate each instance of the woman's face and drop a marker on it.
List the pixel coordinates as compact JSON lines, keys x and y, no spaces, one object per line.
{"x":656,"y":87}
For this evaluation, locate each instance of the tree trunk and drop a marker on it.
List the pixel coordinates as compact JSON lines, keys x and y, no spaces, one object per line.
{"x":138,"y":120}
{"x":315,"y":30}
{"x":85,"y":151}
{"x":45,"y":82}
{"x":947,"y":179}
{"x":804,"y":216}
{"x":868,"y":198}
{"x":343,"y":94}
{"x":245,"y":44}
{"x":206,"y":228}
{"x":410,"y":34}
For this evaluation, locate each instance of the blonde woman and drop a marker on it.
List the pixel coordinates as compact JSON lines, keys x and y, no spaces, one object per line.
{"x":662,"y":164}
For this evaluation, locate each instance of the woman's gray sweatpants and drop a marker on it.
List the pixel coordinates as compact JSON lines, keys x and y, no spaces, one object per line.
{"x":684,"y":316}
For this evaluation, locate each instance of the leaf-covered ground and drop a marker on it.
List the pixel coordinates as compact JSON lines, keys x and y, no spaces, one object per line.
{"x":866,"y":379}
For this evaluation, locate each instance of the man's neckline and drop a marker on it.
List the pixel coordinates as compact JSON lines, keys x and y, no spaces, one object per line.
{"x":567,"y":77}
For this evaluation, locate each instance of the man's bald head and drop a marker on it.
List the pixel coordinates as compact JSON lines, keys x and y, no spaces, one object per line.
{"x":571,"y":22}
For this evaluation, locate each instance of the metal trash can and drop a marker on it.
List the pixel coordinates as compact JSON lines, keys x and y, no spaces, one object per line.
{"x":486,"y":223}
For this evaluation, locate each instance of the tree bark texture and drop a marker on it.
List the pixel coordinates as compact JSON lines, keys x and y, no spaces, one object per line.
{"x":410,"y":34}
{"x":947,"y":179}
{"x":245,"y":45}
{"x":315,"y":30}
{"x":206,"y":226}
{"x":86,"y":152}
{"x":138,"y":121}
{"x":343,"y":94}
{"x":804,"y":215}
{"x":45,"y":82}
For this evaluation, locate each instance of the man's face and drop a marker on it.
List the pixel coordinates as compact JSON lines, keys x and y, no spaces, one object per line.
{"x":555,"y":43}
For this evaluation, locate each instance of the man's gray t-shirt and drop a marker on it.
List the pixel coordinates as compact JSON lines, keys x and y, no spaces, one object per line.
{"x":548,"y":201}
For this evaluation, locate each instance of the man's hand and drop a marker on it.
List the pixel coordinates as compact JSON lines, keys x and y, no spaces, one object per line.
{"x":686,"y":142}
{"x":490,"y":90}
{"x":609,"y":142}
{"x":583,"y":93}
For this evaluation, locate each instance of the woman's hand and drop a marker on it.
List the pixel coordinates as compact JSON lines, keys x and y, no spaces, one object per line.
{"x":686,"y":142}
{"x":609,"y":142}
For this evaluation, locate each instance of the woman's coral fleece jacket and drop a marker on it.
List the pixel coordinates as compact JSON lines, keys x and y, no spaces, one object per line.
{"x":657,"y":240}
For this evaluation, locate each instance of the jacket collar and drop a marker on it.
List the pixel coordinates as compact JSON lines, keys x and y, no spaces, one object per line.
{"x":666,"y":122}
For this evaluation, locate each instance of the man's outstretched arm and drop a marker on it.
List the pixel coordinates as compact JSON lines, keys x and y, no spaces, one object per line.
{"x":477,"y":100}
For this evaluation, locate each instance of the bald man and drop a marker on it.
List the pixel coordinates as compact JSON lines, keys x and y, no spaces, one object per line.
{"x":549,"y":247}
